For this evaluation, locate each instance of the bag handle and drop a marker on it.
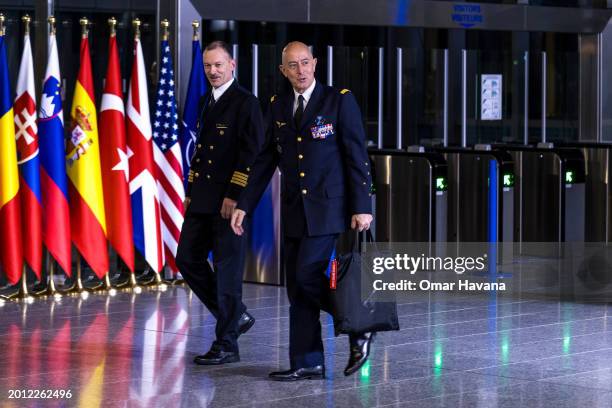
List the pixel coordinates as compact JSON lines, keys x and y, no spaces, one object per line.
{"x":358,"y":239}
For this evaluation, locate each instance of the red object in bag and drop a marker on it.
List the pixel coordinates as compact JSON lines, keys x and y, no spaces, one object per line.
{"x":333,"y":274}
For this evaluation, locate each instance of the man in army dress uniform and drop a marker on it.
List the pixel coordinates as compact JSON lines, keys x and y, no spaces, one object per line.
{"x":231,"y":133}
{"x":315,"y":136}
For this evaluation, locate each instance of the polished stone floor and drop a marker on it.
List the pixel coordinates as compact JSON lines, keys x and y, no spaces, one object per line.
{"x":136,"y":351}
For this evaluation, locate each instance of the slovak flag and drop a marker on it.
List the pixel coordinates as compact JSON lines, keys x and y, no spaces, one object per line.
{"x":26,"y":136}
{"x":143,"y":184}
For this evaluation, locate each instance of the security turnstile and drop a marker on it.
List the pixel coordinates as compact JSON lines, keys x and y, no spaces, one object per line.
{"x":480,"y":194}
{"x":550,"y":205}
{"x":598,"y":191}
{"x":410,"y":197}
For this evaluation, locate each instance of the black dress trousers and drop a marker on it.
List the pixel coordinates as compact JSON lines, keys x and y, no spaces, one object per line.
{"x":219,"y":289}
{"x":306,"y":261}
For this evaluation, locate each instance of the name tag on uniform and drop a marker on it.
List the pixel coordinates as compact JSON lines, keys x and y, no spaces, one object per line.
{"x":221,"y":126}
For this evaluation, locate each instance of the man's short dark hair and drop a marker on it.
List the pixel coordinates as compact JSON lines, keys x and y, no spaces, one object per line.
{"x":219,"y":44}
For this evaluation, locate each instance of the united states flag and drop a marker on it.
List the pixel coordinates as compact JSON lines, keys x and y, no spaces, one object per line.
{"x":167,"y":155}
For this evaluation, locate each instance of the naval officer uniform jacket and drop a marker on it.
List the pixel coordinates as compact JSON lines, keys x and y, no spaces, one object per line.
{"x":231,"y":132}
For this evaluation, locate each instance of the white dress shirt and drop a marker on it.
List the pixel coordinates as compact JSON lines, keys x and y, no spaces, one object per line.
{"x":307,"y":94}
{"x":218,"y":92}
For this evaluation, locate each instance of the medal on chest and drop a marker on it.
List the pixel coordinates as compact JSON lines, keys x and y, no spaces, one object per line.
{"x":322,"y":129}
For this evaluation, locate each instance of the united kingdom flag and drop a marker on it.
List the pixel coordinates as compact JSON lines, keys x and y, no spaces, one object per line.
{"x":167,"y":155}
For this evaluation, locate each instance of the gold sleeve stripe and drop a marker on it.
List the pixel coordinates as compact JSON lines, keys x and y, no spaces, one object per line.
{"x":241,"y":183}
{"x":243,"y":179}
{"x":240,"y":174}
{"x":344,"y":91}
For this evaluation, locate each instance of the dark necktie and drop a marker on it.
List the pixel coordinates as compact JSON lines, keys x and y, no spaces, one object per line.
{"x":212,"y":101}
{"x":299,"y":112}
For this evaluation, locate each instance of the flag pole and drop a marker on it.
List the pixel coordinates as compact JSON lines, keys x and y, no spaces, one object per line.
{"x":156,"y":279}
{"x":107,"y":282}
{"x":12,"y":295}
{"x":51,"y":289}
{"x":165,"y":25}
{"x":134,"y":282}
{"x":24,"y":293}
{"x":26,"y":19}
{"x":196,"y":30}
{"x":117,"y":282}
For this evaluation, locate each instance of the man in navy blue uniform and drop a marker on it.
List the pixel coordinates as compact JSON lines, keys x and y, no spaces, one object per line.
{"x":231,"y":133}
{"x":315,"y":136}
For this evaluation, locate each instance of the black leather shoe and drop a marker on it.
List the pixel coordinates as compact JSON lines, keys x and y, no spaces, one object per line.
{"x":217,"y":357}
{"x":245,"y":322}
{"x":307,"y":373}
{"x":360,"y":351}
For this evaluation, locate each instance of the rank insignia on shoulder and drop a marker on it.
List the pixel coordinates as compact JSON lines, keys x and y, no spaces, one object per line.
{"x":273,"y":98}
{"x":344,"y":91}
{"x":280,"y":124}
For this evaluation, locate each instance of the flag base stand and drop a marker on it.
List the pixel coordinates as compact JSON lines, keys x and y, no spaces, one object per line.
{"x":132,"y":284}
{"x":174,"y":280}
{"x":158,"y":283}
{"x":153,"y":282}
{"x":23,"y":293}
{"x":98,"y":285}
{"x":51,"y":289}
{"x":146,"y":279}
{"x":119,"y":283}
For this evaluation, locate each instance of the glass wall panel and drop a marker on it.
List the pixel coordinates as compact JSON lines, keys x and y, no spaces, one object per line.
{"x":356,"y":69}
{"x":562,"y":97}
{"x":270,"y":80}
{"x":422,"y":97}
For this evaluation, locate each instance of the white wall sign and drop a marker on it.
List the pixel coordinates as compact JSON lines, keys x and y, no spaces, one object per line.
{"x":490,"y":97}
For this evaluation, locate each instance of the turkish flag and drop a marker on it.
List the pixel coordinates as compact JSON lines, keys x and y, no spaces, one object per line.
{"x":114,"y":157}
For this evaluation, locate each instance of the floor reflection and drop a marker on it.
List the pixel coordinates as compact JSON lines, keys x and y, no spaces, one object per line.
{"x":136,"y":351}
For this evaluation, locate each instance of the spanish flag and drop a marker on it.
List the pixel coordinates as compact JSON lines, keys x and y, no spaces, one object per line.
{"x":87,"y":220}
{"x":11,"y":253}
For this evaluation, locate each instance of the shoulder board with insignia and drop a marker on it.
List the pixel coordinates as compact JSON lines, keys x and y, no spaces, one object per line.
{"x":344,"y":91}
{"x":273,"y":98}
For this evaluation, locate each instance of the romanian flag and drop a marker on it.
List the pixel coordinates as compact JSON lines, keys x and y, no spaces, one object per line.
{"x":11,"y":255}
{"x":87,"y":220}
